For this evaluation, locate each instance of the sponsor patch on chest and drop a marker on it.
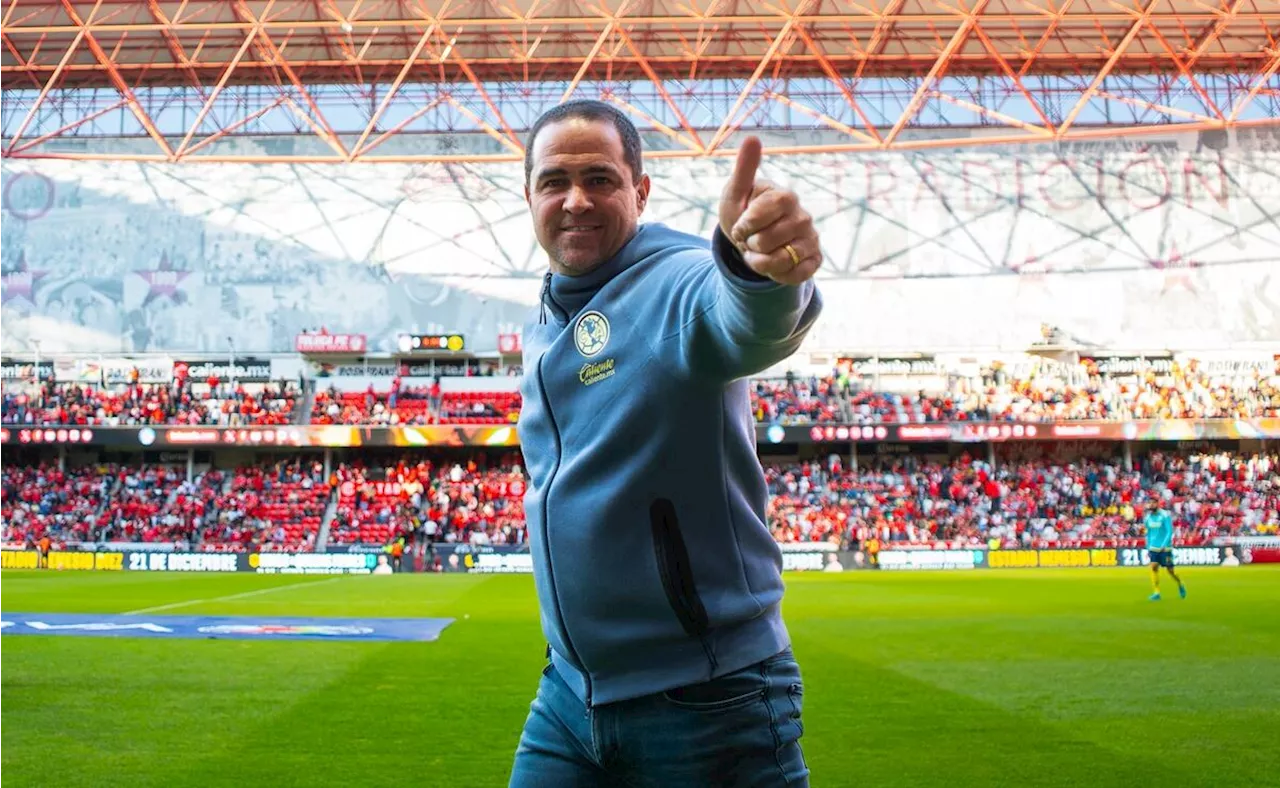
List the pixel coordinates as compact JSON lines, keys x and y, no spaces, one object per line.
{"x":591,"y":335}
{"x":594,"y":373}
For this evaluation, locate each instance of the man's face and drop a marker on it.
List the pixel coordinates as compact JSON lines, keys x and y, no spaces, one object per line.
{"x":585,"y":200}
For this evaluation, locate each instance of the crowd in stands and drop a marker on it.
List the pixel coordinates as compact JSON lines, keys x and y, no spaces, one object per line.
{"x":207,"y":403}
{"x":281,"y":505}
{"x":399,"y":405}
{"x":157,"y":504}
{"x":42,"y":501}
{"x":1058,"y":394}
{"x":800,"y":401}
{"x":414,"y":497}
{"x":907,"y":500}
{"x":841,"y":397}
{"x":275,"y":506}
{"x":1026,"y":503}
{"x":414,"y":405}
{"x":1038,"y":393}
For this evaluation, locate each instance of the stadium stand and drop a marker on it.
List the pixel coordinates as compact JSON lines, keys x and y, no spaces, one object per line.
{"x":476,"y":501}
{"x":415,"y":406}
{"x":1024,"y":504}
{"x":1034,"y":493}
{"x":1070,"y":395}
{"x":829,"y":399}
{"x":273,"y":506}
{"x":428,"y":497}
{"x":182,"y":402}
{"x":42,"y":501}
{"x":156,"y":504}
{"x":291,"y":197}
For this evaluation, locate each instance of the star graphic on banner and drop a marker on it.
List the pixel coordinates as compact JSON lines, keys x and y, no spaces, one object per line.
{"x":164,"y":281}
{"x":21,"y":282}
{"x":1177,"y":271}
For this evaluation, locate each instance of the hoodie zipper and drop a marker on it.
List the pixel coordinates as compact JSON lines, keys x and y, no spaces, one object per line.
{"x":546,"y":296}
{"x":546,"y":495}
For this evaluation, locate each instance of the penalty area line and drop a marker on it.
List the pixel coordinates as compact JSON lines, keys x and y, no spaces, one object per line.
{"x":229,"y":597}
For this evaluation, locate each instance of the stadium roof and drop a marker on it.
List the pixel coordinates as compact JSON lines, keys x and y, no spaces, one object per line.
{"x":868,"y":74}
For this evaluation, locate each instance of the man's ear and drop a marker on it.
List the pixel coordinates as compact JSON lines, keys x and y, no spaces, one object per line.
{"x":526,"y":195}
{"x":642,"y":193}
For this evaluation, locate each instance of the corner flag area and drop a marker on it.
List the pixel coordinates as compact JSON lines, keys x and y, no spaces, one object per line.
{"x":1023,"y":678}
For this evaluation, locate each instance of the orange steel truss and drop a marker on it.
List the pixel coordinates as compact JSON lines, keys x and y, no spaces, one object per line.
{"x":404,"y":80}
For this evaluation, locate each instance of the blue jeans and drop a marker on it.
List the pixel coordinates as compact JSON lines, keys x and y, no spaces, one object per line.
{"x":742,"y":729}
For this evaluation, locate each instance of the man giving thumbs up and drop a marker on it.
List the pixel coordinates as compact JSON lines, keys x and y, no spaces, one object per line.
{"x":668,"y":663}
{"x":767,"y":224}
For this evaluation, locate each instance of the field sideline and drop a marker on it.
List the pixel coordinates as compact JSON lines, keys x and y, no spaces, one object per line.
{"x":1017,"y":678}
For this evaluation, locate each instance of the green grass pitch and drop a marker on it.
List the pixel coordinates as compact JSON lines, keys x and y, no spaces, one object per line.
{"x":1011,"y":678}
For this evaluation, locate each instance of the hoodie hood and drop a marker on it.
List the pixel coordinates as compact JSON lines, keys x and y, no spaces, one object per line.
{"x":565,"y":296}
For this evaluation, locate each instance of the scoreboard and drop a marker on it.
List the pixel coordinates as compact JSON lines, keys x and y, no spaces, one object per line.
{"x":431,"y":343}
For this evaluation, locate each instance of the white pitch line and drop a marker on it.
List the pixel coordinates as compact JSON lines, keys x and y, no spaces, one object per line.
{"x":228,"y":598}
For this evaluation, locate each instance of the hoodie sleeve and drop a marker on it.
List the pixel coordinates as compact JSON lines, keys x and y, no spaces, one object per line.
{"x":737,"y":323}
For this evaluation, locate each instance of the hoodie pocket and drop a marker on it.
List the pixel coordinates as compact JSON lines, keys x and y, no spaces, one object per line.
{"x":675,"y":569}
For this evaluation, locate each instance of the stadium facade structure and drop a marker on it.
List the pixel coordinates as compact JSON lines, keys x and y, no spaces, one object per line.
{"x":978,"y":168}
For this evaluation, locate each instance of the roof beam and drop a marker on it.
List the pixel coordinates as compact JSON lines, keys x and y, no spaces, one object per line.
{"x":121,"y":86}
{"x":836,"y":80}
{"x":1098,"y":79}
{"x":723,"y":131}
{"x":391,"y":91}
{"x":271,"y":54}
{"x":939,"y":69}
{"x":217,"y":89}
{"x":886,"y":20}
{"x":1258,"y":83}
{"x":44,"y":92}
{"x":1098,"y":42}
{"x":1213,"y":32}
{"x":662,"y":91}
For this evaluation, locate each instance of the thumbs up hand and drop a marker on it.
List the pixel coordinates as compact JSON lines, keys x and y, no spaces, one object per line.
{"x":775,"y":235}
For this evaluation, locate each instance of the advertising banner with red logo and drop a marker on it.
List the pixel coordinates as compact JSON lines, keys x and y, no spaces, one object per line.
{"x":331,"y":343}
{"x":510,"y":344}
{"x":1263,"y":555}
{"x":246,"y":370}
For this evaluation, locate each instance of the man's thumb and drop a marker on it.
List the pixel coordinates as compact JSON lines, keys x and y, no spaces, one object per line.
{"x":743,"y":179}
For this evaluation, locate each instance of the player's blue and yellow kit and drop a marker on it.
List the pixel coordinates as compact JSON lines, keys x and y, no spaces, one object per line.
{"x":1159,"y":525}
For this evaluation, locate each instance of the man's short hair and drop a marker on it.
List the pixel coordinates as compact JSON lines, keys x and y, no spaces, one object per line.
{"x":589,"y":109}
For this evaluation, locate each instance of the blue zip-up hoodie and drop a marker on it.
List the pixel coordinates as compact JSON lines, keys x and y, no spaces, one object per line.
{"x":653,"y":563}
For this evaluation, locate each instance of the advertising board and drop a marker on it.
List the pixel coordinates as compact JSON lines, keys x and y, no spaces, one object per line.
{"x":509,"y":559}
{"x":908,"y":560}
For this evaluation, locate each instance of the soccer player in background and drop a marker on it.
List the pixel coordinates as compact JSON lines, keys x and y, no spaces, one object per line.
{"x":44,"y":545}
{"x":1159,"y":526}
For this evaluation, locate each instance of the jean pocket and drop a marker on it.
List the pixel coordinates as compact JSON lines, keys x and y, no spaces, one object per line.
{"x":723,"y":694}
{"x":795,"y":693}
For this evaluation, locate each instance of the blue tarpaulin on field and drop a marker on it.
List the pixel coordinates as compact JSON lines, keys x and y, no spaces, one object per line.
{"x":223,"y":627}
